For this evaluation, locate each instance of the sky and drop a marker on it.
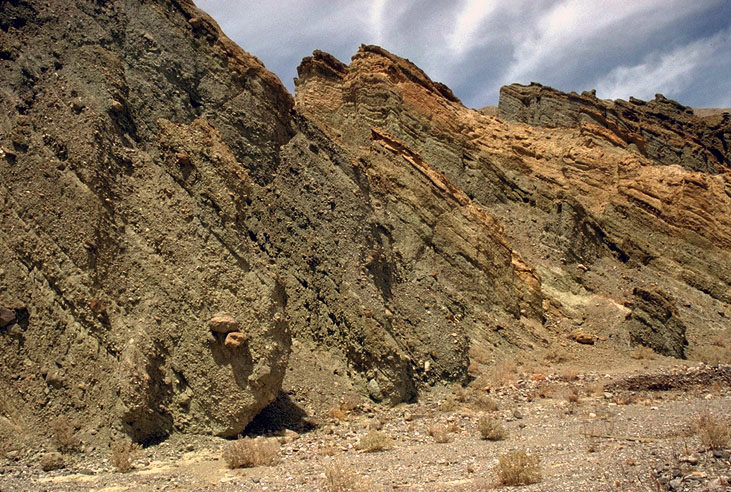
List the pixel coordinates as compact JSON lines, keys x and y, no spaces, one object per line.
{"x":621,"y":48}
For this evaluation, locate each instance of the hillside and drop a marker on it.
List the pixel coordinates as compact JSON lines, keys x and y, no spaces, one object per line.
{"x":185,"y":244}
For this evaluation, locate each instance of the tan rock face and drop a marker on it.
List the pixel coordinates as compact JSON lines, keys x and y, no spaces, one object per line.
{"x":661,"y":129}
{"x":123,"y":190}
{"x":633,"y":192}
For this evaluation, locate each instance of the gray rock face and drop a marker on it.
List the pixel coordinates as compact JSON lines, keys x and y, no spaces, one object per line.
{"x":654,"y":322}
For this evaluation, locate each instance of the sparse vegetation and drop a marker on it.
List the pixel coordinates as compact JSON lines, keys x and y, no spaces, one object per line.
{"x":714,"y":432}
{"x":491,"y":429}
{"x":341,"y":478}
{"x":642,"y":352}
{"x":123,"y":455}
{"x":439,"y":432}
{"x":570,"y":394}
{"x":248,"y":452}
{"x":63,"y":435}
{"x":503,"y":373}
{"x":486,"y":404}
{"x":518,"y":468}
{"x":375,"y":441}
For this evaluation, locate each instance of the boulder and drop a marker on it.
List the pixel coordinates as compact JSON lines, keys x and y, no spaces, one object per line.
{"x":223,"y":323}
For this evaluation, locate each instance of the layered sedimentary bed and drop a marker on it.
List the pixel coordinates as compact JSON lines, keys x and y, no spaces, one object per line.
{"x":595,"y":197}
{"x":132,"y":137}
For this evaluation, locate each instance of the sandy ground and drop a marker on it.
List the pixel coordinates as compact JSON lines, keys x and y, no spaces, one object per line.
{"x":592,"y":431}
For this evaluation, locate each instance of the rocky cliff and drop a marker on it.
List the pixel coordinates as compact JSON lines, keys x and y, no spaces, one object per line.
{"x":594,"y":203}
{"x":129,"y":156}
{"x":172,"y":218}
{"x":661,"y":129}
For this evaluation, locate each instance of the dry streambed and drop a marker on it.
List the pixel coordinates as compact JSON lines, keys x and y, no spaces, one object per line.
{"x":649,"y":431}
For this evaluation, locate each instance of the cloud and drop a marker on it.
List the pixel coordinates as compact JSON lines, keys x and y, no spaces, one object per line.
{"x":378,"y":8}
{"x":467,"y":24}
{"x":672,"y":72}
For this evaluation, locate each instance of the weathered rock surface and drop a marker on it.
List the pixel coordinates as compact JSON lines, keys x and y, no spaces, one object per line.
{"x":154,"y":176}
{"x":655,"y":323}
{"x":594,"y":206}
{"x":661,"y":129}
{"x":121,"y":248}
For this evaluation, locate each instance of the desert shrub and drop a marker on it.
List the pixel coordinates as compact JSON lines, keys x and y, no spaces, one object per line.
{"x":123,"y":454}
{"x":711,"y":354}
{"x":714,"y":433}
{"x":518,"y":468}
{"x":503,"y":373}
{"x":341,"y":478}
{"x":491,"y":429}
{"x":594,"y":387}
{"x":63,"y":435}
{"x":570,"y":394}
{"x":439,"y":432}
{"x":374,"y":441}
{"x":485,"y":403}
{"x":479,"y":354}
{"x":248,"y":452}
{"x":641,"y":352}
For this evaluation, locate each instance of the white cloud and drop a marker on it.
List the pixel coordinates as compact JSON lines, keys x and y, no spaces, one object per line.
{"x":378,"y":8}
{"x":669,"y":73}
{"x":468,"y":22}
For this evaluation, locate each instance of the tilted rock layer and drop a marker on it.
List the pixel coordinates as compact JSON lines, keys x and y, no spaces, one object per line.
{"x":596,"y":197}
{"x":129,"y":156}
{"x":171,"y":217}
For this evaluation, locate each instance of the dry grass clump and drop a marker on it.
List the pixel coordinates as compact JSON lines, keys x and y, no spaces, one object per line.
{"x":491,"y":429}
{"x":63,"y":435}
{"x":641,"y":352}
{"x":485,"y":404}
{"x":714,"y":353}
{"x":375,"y":441}
{"x":247,"y":452}
{"x":518,"y":468}
{"x":714,"y":433}
{"x":503,"y":373}
{"x":570,"y":394}
{"x":350,"y":403}
{"x":341,"y":478}
{"x":594,"y":387}
{"x":123,"y":454}
{"x":439,"y":432}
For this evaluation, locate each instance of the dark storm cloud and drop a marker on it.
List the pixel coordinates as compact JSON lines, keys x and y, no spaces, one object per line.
{"x":622,"y":47}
